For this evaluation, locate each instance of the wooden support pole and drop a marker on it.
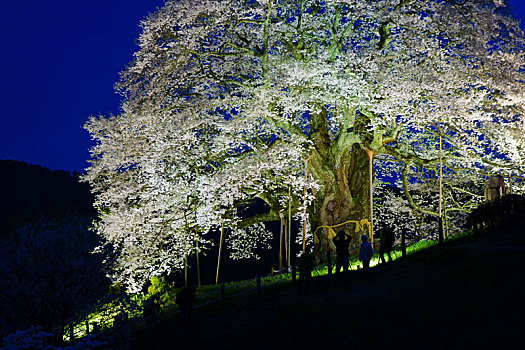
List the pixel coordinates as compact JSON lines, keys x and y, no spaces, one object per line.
{"x":289,"y":225}
{"x":186,"y":271}
{"x":197,"y":250}
{"x":440,"y":188}
{"x":403,"y":244}
{"x":220,"y":251}
{"x":370,"y":154}
{"x":440,"y":175}
{"x":186,"y":256}
{"x":281,"y":215}
{"x":198,"y":263}
{"x":285,"y":243}
{"x":440,"y":234}
{"x":329,"y":262}
{"x":446,"y":228}
{"x":305,"y":193}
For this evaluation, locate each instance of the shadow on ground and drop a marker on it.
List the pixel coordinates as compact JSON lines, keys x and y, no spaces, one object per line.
{"x":465,"y":294}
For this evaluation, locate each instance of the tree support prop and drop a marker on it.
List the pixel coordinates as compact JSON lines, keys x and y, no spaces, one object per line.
{"x":220,"y":251}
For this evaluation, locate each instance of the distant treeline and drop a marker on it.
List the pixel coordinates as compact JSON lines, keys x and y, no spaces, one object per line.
{"x":29,"y":192}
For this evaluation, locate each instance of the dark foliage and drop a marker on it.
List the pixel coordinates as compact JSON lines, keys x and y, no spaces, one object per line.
{"x":49,"y":274}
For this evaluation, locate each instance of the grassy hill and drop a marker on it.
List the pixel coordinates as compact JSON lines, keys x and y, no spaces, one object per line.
{"x":467,"y":293}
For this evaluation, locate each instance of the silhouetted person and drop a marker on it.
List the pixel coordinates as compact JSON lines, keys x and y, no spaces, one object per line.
{"x":387,"y":242}
{"x":475,"y":221}
{"x":185,"y":299}
{"x":365,"y":253}
{"x":306,"y":265}
{"x":342,"y":242}
{"x":150,"y":311}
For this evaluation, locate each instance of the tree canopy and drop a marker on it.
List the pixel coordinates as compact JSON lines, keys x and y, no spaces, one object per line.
{"x":227,"y":101}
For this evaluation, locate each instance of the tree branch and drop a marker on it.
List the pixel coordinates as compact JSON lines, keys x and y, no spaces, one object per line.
{"x":411,"y":203}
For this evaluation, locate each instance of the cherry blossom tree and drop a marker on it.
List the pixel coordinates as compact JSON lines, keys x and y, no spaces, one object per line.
{"x":290,"y":102}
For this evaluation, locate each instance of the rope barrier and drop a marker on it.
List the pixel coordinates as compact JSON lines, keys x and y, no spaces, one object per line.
{"x":359,"y":226}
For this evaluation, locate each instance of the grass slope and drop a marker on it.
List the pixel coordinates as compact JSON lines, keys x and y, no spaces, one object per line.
{"x":467,"y":293}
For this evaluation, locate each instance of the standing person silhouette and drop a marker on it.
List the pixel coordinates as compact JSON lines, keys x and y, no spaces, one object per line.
{"x":365,"y":254}
{"x":306,"y":265}
{"x":342,"y":242}
{"x":185,"y":299}
{"x":387,"y":242}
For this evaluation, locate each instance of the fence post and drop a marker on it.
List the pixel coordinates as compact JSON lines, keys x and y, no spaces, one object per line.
{"x":124,"y":322}
{"x":440,"y":225}
{"x":329,"y":262}
{"x":258,"y":284}
{"x":87,"y":327}
{"x":223,"y":294}
{"x":403,"y":244}
{"x":156,"y":314}
{"x":71,"y":332}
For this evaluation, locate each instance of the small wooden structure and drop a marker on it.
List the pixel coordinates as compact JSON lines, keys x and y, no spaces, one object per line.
{"x":495,"y":188}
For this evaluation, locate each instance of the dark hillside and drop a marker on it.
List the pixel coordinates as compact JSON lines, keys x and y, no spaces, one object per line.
{"x":47,"y":272}
{"x":466,"y":294}
{"x":29,"y":192}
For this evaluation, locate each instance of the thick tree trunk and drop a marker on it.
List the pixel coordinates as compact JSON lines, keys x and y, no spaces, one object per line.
{"x":344,"y":196}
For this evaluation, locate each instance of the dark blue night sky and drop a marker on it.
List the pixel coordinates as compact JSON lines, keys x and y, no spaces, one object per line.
{"x":58,"y":65}
{"x":59,"y":62}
